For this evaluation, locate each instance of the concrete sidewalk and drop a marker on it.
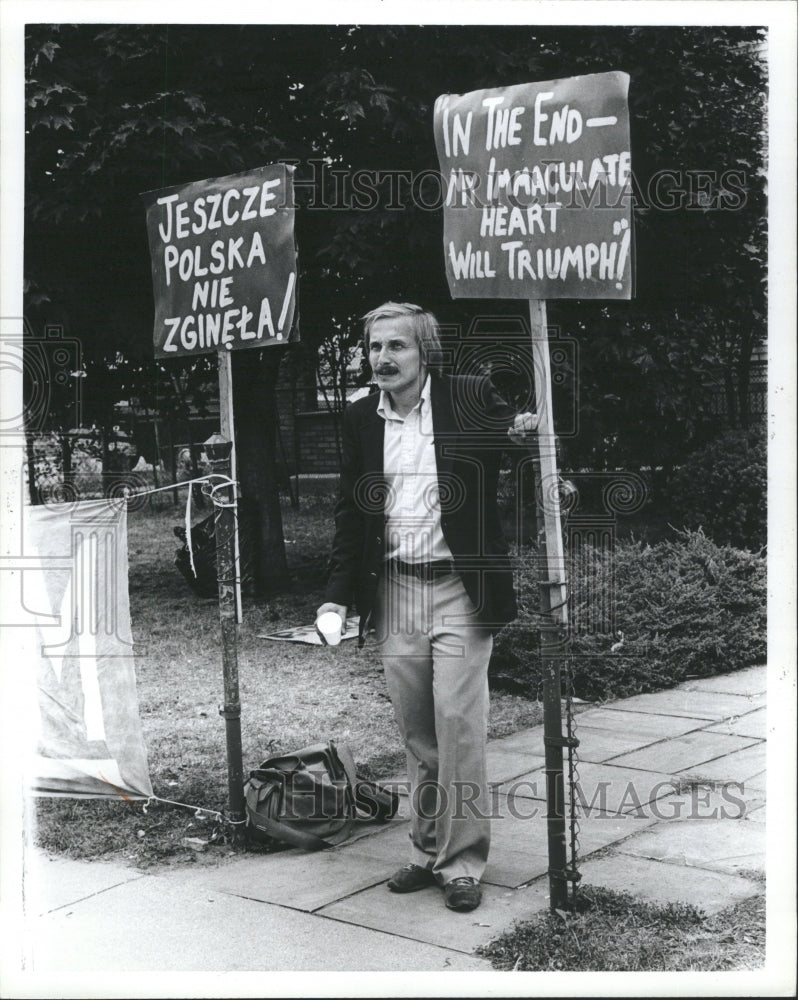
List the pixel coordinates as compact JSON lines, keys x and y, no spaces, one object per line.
{"x":672,"y":794}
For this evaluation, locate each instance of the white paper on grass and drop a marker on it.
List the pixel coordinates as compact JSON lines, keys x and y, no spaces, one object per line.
{"x":308,"y":634}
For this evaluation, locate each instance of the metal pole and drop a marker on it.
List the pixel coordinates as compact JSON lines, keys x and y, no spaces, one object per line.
{"x":224,"y":522}
{"x":551,"y":575}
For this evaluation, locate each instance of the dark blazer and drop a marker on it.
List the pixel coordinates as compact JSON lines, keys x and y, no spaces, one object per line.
{"x":470,"y":422}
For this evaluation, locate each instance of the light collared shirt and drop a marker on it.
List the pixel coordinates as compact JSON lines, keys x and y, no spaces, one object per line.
{"x":412,"y":508}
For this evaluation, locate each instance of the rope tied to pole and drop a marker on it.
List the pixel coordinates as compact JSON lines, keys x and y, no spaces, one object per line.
{"x":212,"y":484}
{"x":200,"y":812}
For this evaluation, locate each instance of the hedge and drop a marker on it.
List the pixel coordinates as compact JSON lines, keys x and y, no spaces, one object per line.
{"x":722,"y":488}
{"x":679,"y":609}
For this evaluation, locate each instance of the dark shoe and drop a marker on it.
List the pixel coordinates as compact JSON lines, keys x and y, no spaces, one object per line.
{"x":411,"y":878}
{"x":463,"y":893}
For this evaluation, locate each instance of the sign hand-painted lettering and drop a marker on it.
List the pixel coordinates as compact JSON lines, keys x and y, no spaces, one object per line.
{"x":223,"y":262}
{"x":537,"y":181}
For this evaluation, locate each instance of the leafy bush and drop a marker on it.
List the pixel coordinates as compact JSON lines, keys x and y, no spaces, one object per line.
{"x":722,"y":488}
{"x":679,"y":609}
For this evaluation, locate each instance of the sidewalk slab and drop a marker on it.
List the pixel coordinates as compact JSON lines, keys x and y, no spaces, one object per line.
{"x":298,"y":880}
{"x":689,"y":750}
{"x":518,"y":844}
{"x":512,"y":869}
{"x":662,"y":776}
{"x":527,"y":741}
{"x":752,"y":724}
{"x":422,"y":916}
{"x":390,"y":844}
{"x":600,"y":745}
{"x":719,"y":845}
{"x":52,"y":882}
{"x":506,"y":764}
{"x":742,"y":765}
{"x":751,"y":681}
{"x":169,"y":923}
{"x":665,"y":883}
{"x":601,"y":829}
{"x":620,"y":721}
{"x":605,"y":788}
{"x":705,"y":799}
{"x":757,"y":782}
{"x":524,"y":830}
{"x":693,"y":704}
{"x":518,"y":852}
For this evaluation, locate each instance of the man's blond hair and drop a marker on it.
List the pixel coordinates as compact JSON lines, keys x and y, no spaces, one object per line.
{"x":420,"y":321}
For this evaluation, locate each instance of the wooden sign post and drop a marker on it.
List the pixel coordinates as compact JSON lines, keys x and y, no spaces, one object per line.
{"x":537,"y":205}
{"x":227,"y":429}
{"x":553,"y":604}
{"x":224,"y":272}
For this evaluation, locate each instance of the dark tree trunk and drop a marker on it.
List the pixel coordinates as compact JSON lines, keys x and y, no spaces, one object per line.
{"x":31,"y":459}
{"x":66,"y":459}
{"x":185,"y":406}
{"x":172,"y":456}
{"x":254,"y":380}
{"x":105,"y":434}
{"x":744,"y":379}
{"x":731,"y":396}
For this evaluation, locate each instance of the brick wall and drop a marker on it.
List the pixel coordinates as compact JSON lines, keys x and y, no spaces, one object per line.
{"x":316,"y":442}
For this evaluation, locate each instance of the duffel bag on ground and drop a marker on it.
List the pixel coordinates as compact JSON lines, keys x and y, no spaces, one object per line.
{"x":311,"y":798}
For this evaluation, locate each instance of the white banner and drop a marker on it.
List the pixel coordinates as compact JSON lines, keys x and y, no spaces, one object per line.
{"x":78,"y":648}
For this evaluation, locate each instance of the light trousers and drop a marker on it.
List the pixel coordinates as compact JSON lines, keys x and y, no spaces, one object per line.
{"x":435,"y":654}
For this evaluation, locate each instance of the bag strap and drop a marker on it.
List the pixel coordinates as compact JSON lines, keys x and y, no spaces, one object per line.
{"x":294,"y":761}
{"x":378,"y":802}
{"x":307,"y":841}
{"x":282,"y":831}
{"x":344,"y":755}
{"x":366,"y":794}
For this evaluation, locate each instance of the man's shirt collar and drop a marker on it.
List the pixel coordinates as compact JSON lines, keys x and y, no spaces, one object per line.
{"x":386,"y":410}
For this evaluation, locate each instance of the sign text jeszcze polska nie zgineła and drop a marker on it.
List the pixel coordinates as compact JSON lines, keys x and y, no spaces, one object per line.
{"x":223,"y":262}
{"x":537,"y":181}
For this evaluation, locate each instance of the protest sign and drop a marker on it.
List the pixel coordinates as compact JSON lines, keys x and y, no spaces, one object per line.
{"x":537,"y":189}
{"x":223,"y":262}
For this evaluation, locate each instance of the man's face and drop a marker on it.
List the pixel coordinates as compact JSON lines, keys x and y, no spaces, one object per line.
{"x":394,"y":356}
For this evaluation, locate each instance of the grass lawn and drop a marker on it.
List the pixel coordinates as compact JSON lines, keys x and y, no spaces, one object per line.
{"x":291,"y":694}
{"x":613,"y":932}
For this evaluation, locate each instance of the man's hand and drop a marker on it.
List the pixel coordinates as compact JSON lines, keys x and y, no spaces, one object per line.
{"x":524,"y":425}
{"x":339,"y":609}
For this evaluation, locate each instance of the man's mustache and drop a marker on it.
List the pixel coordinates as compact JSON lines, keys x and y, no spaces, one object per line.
{"x":386,"y":370}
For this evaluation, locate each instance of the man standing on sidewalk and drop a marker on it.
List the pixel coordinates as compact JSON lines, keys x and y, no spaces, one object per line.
{"x":419,"y":551}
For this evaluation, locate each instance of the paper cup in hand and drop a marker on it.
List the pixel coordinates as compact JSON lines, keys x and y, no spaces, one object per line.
{"x":329,"y":626}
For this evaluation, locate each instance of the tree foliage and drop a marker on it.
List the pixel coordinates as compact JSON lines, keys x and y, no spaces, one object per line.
{"x":116,"y":110}
{"x":722,"y":488}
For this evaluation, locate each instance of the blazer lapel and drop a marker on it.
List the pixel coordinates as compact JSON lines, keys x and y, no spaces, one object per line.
{"x":372,"y":435}
{"x":444,"y":423}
